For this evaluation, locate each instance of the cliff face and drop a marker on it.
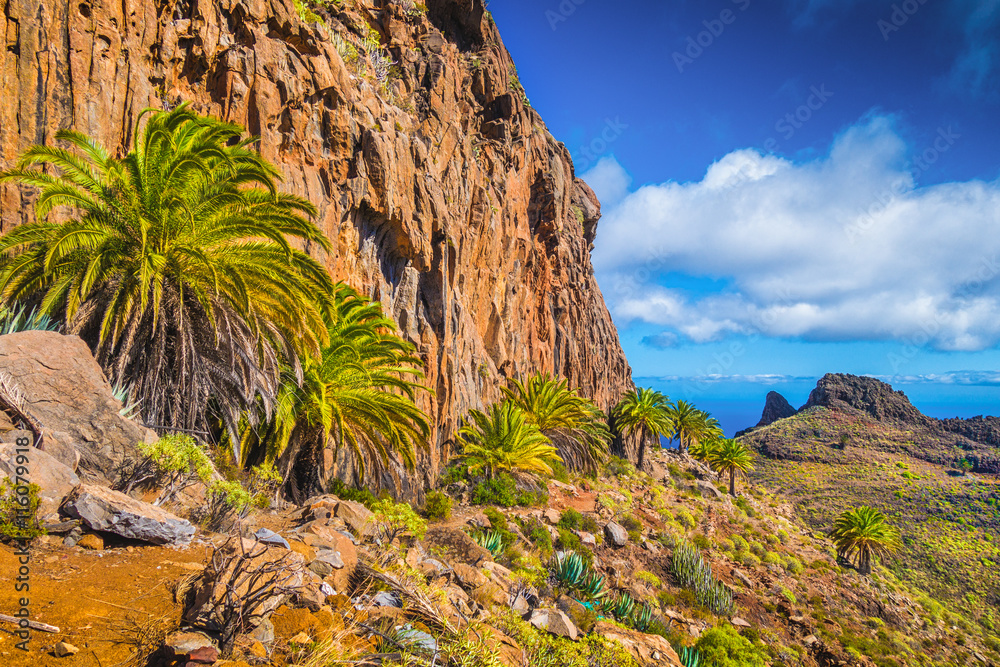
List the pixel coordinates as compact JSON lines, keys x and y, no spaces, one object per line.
{"x":775,"y":407}
{"x":444,"y":194}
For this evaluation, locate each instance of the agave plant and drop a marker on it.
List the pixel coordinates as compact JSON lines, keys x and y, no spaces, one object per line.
{"x":694,"y":573}
{"x":122,"y":394}
{"x":641,"y":618}
{"x":569,"y":569}
{"x":619,"y":605}
{"x":19,"y":318}
{"x":592,"y":586}
{"x":490,"y":540}
{"x":690,"y":657}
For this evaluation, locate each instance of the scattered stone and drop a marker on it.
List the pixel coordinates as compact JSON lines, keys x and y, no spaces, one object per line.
{"x":432,"y":568}
{"x":744,"y":579}
{"x":554,"y":622}
{"x":320,"y":568}
{"x":456,"y":544}
{"x":100,"y":508}
{"x":331,"y":557}
{"x":479,"y":520}
{"x":385,"y":599}
{"x":270,"y":537}
{"x":615,"y":534}
{"x":739,"y":622}
{"x":706,"y":489}
{"x":357,"y":517}
{"x":417,"y":638}
{"x":520,"y":605}
{"x":264,"y":632}
{"x":91,"y":541}
{"x":185,"y":644}
{"x":303,"y":549}
{"x":551,"y":515}
{"x":568,"y":489}
{"x":587,"y":539}
{"x":469,"y":577}
{"x":301,"y":639}
{"x":64,"y":650}
{"x":641,"y":646}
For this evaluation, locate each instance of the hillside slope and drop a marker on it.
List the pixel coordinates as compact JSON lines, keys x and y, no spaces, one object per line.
{"x":444,"y":194}
{"x":858,"y":442}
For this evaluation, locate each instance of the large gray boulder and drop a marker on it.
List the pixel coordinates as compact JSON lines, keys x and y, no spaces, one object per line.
{"x":55,"y":480}
{"x":65,"y":389}
{"x":615,"y":534}
{"x":102,"y":509}
{"x":554,"y":622}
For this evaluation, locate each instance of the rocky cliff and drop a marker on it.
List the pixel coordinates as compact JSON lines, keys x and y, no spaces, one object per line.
{"x":775,"y":407}
{"x":443,"y":192}
{"x":869,"y":395}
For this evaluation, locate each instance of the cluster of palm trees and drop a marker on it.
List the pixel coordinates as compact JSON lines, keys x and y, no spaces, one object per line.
{"x":541,"y":421}
{"x":176,"y":264}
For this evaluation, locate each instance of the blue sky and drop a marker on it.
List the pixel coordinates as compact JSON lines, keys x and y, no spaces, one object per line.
{"x":789,"y":188}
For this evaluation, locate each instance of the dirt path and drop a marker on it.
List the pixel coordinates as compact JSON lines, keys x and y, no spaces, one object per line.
{"x":100,"y":600}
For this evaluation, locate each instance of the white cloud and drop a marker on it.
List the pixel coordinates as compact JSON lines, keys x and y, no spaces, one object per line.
{"x":608,"y":180}
{"x":845,"y":247}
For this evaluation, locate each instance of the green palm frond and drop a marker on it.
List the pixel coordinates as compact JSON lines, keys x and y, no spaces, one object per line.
{"x":502,"y":440}
{"x":359,"y":394}
{"x":863,"y":533}
{"x":174,"y":263}
{"x":645,"y":412}
{"x":574,"y":424}
{"x":730,"y":457}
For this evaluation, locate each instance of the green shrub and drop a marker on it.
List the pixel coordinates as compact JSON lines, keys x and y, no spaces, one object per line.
{"x":649,"y":578}
{"x":701,"y":541}
{"x":589,"y":524}
{"x":740,"y":544}
{"x":685,"y":519}
{"x":744,"y":505}
{"x":771,"y":558}
{"x":227,"y":500}
{"x":344,"y":492}
{"x":783,"y":536}
{"x":722,"y":646}
{"x":793,"y":565}
{"x":437,"y":506}
{"x":497,"y":518}
{"x":570,"y":519}
{"x":502,"y":490}
{"x":727,"y":545}
{"x":180,"y":462}
{"x":393,"y":519}
{"x":749,"y":559}
{"x":19,"y":511}
{"x":616,"y":467}
{"x":568,"y":540}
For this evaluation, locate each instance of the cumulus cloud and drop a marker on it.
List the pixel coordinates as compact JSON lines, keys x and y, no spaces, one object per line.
{"x":844,"y":247}
{"x":608,"y":180}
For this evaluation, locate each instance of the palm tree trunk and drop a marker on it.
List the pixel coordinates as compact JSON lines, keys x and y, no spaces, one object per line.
{"x":732,"y":482}
{"x":642,"y":448}
{"x":864,"y":564}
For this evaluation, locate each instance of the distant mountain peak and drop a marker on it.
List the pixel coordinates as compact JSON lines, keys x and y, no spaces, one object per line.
{"x":775,"y":407}
{"x":874,"y":397}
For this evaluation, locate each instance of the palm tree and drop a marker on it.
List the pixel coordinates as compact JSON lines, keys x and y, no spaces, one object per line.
{"x":688,"y":423}
{"x":574,"y":424}
{"x":729,"y":456}
{"x":864,"y":530}
{"x":173,"y":263}
{"x":504,"y":440}
{"x":358,"y":393}
{"x":645,"y":411}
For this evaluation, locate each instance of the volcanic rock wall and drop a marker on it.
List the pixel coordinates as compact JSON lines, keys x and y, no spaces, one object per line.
{"x":443,"y":192}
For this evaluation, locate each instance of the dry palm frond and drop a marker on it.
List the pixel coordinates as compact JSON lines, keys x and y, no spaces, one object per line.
{"x":12,"y":400}
{"x":411,"y":592}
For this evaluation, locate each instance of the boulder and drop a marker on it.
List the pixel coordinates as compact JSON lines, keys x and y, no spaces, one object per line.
{"x":615,"y":534}
{"x":286,"y":575}
{"x":343,"y":545}
{"x":65,"y":390}
{"x":469,"y":577}
{"x":706,"y":489}
{"x":357,"y":517}
{"x":554,"y":622}
{"x":190,"y":646}
{"x":100,"y":508}
{"x":647,"y":649}
{"x":457,"y":545}
{"x":55,"y":479}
